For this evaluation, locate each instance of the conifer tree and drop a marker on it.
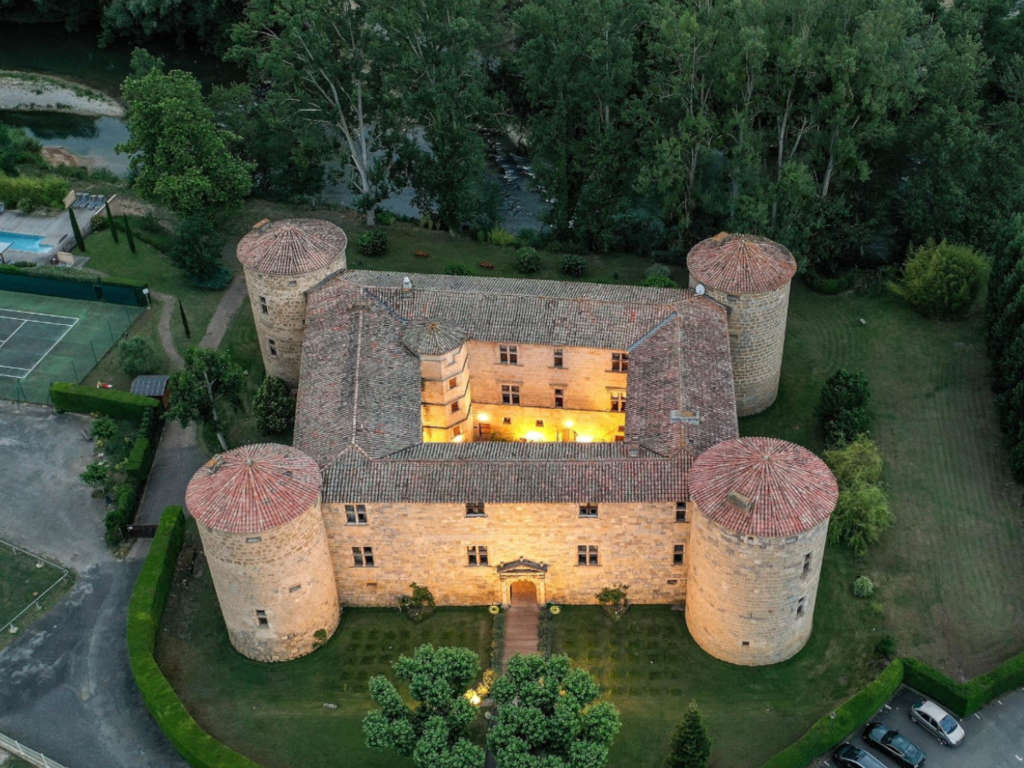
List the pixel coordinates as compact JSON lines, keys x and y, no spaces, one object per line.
{"x":691,"y":745}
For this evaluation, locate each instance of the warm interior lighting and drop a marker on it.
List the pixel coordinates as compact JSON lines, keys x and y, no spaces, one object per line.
{"x":483,"y":417}
{"x":568,"y":423}
{"x":534,"y":437}
{"x":457,"y":439}
{"x":584,"y":439}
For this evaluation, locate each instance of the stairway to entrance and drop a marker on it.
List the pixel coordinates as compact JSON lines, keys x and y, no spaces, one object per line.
{"x":521,"y":621}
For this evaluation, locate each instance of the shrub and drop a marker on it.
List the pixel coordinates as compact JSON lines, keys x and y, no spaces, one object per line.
{"x":858,"y":462}
{"x":659,"y":281}
{"x":103,"y":429}
{"x":457,"y":269}
{"x":573,"y":265}
{"x":614,"y":600}
{"x":120,"y":516}
{"x":658,"y":270}
{"x":136,"y":356}
{"x":886,"y":647}
{"x":863,"y":587}
{"x":846,"y":426}
{"x":943,"y":280}
{"x":274,"y":406}
{"x":419,"y":605}
{"x":27,"y":193}
{"x":373,"y":243}
{"x":842,"y":407}
{"x":197,"y":248}
{"x":861,"y":515}
{"x":528,"y":261}
{"x":498,"y":236}
{"x":78,"y":398}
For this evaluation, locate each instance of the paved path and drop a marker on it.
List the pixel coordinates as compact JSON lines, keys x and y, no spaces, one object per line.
{"x":224,"y":314}
{"x":520,"y":630}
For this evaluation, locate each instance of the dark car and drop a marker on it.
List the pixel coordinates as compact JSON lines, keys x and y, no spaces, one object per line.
{"x":849,"y":756}
{"x":894,"y":744}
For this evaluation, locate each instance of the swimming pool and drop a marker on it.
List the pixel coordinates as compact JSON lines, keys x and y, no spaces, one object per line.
{"x":30,"y":243}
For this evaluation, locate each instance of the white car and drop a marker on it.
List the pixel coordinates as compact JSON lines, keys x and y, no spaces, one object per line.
{"x":937,"y":721}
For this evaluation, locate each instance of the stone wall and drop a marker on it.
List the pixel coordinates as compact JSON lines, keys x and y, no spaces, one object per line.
{"x":286,"y":572}
{"x":444,"y":381}
{"x":427,"y":543}
{"x":757,"y":335}
{"x":745,"y":592}
{"x":284,"y":320}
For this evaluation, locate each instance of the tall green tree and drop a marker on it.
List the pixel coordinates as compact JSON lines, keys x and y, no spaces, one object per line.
{"x":433,"y":731}
{"x":549,"y":715}
{"x":210,"y":380}
{"x":691,"y":745}
{"x":179,"y":156}
{"x":184,"y":21}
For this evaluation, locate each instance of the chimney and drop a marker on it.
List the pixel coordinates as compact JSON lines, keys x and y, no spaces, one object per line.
{"x":406,"y":284}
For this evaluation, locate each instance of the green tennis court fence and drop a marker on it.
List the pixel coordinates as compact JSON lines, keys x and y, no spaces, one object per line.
{"x":110,"y":291}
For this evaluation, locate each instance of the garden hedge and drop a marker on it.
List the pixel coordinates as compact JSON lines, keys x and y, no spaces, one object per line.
{"x":145,"y":611}
{"x":27,"y":193}
{"x":965,"y":699}
{"x":79,"y":398}
{"x":827,"y":732}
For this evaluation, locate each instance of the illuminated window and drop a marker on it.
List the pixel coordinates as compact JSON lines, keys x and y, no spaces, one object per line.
{"x":475,"y":509}
{"x":508,"y":354}
{"x":455,"y":407}
{"x":263,"y":304}
{"x":539,"y":423}
{"x":619,"y":402}
{"x":355,"y":514}
{"x":620,"y":361}
{"x":261,"y":618}
{"x":559,"y":398}
{"x":588,"y":510}
{"x":510,"y":394}
{"x":273,"y":347}
{"x":452,"y":383}
{"x":677,"y":554}
{"x":586,"y":554}
{"x":483,"y":431}
{"x":477,"y":555}
{"x":362,"y":557}
{"x":457,"y":430}
{"x":559,"y":361}
{"x":680,"y":511}
{"x":506,"y":419}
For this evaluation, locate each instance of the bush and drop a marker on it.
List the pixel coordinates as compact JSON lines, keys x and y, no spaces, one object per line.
{"x":614,"y":600}
{"x":842,"y":407}
{"x":498,"y":236}
{"x":886,"y":647}
{"x":856,"y":463}
{"x":274,"y":406}
{"x":846,"y":426}
{"x":27,"y":193}
{"x":78,"y":398}
{"x":658,"y":270}
{"x":145,"y":610}
{"x":528,"y":261}
{"x":573,"y":265}
{"x":197,"y":248}
{"x":863,"y":587}
{"x":373,"y":243}
{"x":120,"y":516}
{"x":457,"y":269}
{"x":659,"y":281}
{"x":943,"y":280}
{"x":136,"y":356}
{"x":419,"y":605}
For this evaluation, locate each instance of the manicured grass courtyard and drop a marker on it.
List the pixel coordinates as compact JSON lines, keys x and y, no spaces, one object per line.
{"x":23,"y":578}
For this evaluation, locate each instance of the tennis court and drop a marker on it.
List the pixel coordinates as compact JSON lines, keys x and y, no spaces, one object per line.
{"x":50,"y":338}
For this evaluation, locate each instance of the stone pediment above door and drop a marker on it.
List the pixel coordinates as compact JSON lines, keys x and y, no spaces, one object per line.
{"x":522,"y":567}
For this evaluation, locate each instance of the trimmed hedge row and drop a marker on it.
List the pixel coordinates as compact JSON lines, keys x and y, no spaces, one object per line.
{"x":79,"y":398}
{"x":827,"y":732}
{"x":149,"y":597}
{"x":965,"y":699}
{"x":69,"y":275}
{"x":30,"y":192}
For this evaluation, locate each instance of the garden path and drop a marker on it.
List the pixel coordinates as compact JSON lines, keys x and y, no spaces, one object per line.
{"x":520,"y":630}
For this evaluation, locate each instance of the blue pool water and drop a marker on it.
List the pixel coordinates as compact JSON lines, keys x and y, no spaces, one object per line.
{"x":30,"y":243}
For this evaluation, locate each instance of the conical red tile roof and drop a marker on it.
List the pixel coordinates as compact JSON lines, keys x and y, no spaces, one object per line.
{"x":291,"y":246}
{"x":253,"y":488}
{"x":761,"y":486}
{"x":741,"y":263}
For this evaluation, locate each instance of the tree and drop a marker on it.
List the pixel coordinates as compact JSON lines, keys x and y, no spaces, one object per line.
{"x":136,"y":356}
{"x":862,"y":511}
{"x":691,"y":746}
{"x":943,"y":280}
{"x":139,"y":20}
{"x":274,"y":405}
{"x":209,"y":379}
{"x":314,"y":57}
{"x":196,"y":248}
{"x":180,"y":157}
{"x":434,"y":730}
{"x":79,"y":240}
{"x":549,"y":715}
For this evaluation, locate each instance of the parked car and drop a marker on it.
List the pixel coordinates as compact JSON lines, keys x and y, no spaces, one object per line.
{"x":849,"y":756}
{"x":938,"y":722}
{"x":894,"y":744}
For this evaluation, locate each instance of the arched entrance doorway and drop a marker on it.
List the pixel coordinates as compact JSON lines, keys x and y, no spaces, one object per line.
{"x":523,"y":592}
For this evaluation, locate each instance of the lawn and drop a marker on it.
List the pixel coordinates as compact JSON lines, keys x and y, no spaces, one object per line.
{"x":23,"y":578}
{"x":275,"y":713}
{"x":951,"y":568}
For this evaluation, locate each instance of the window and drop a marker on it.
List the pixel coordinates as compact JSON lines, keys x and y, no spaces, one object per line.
{"x":508,"y":354}
{"x":362,"y":557}
{"x":807,"y":564}
{"x":731,"y":297}
{"x":253,"y":540}
{"x":475,"y":509}
{"x":510,"y":394}
{"x":745,"y":643}
{"x":456,"y":430}
{"x":619,"y":402}
{"x":263,"y":304}
{"x":423,"y":384}
{"x":477,"y":555}
{"x":620,"y":361}
{"x":294,"y":587}
{"x":559,"y":361}
{"x":680,"y":511}
{"x":506,"y":420}
{"x":586,"y":554}
{"x":483,"y":430}
{"x":800,"y":607}
{"x":273,"y":347}
{"x":588,"y":510}
{"x":355,"y":514}
{"x":452,"y":383}
{"x":455,"y":407}
{"x":261,"y":618}
{"x":539,"y":423}
{"x":677,"y":554}
{"x":559,"y":398}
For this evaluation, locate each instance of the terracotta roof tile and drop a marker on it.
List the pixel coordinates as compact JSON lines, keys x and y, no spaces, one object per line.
{"x":741,"y":264}
{"x":253,"y":488}
{"x":292,"y":246}
{"x":761,"y":486}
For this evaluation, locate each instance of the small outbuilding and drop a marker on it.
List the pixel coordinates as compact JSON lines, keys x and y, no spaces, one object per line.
{"x":153,"y":386}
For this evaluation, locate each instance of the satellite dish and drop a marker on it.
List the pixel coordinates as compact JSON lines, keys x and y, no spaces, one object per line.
{"x":699,"y":289}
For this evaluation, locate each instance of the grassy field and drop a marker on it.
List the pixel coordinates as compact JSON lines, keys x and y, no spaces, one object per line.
{"x":275,"y":713}
{"x":951,"y":568}
{"x":23,"y":577}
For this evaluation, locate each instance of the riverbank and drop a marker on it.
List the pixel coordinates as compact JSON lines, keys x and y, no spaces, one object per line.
{"x":33,"y":92}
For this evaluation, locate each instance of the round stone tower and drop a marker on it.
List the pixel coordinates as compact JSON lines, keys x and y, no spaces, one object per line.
{"x":756,"y":545}
{"x":281,"y":261}
{"x":258,"y":513}
{"x":750,"y":275}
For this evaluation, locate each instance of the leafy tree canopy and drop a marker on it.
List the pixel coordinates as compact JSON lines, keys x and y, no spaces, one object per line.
{"x":209,"y":379}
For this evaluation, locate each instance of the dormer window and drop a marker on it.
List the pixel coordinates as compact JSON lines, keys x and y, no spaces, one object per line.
{"x":620,"y":362}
